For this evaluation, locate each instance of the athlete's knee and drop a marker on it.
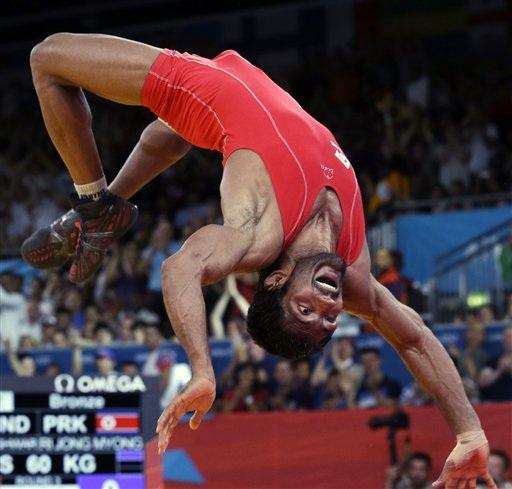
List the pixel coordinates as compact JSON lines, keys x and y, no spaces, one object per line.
{"x":43,"y":54}
{"x":160,"y":141}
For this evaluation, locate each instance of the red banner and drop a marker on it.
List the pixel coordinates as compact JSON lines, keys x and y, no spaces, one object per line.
{"x":312,"y":450}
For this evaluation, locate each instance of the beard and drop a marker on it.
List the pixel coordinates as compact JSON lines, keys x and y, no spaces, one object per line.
{"x":315,"y":262}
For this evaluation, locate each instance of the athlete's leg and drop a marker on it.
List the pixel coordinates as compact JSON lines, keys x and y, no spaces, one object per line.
{"x":159,"y":147}
{"x":64,"y":64}
{"x":112,"y":68}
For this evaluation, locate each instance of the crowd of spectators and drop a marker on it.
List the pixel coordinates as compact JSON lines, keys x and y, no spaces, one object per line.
{"x":53,"y":314}
{"x":344,"y":377}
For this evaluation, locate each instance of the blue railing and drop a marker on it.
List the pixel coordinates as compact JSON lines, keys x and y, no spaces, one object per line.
{"x":222,"y":351}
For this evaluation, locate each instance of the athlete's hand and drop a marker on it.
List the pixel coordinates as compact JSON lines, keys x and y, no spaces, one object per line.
{"x":466,"y":463}
{"x":198,"y":395}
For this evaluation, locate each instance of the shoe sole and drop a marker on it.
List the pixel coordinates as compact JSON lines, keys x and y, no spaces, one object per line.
{"x":42,"y":250}
{"x":80,"y":280}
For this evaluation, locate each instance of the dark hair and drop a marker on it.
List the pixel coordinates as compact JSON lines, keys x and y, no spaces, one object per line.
{"x":130,"y":363}
{"x":369,"y":350}
{"x":22,"y":356}
{"x":422,"y":457}
{"x":503,"y":455}
{"x":102,"y":325}
{"x":271,"y":329}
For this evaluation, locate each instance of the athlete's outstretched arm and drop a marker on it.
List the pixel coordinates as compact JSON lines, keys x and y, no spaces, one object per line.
{"x":159,"y":147}
{"x":431,"y":366}
{"x":208,"y":256}
{"x":62,"y":66}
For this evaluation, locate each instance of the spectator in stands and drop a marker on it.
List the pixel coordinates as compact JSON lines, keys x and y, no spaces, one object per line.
{"x":125,"y":273}
{"x":415,"y":473}
{"x":33,"y":325}
{"x":339,"y":391}
{"x":103,"y":334}
{"x":281,"y":387}
{"x":495,"y":379}
{"x":47,"y":331}
{"x":13,"y":308}
{"x":388,"y":275}
{"x":336,"y":388}
{"x":73,"y":302}
{"x":343,"y":359}
{"x":105,"y":360}
{"x":302,"y":392}
{"x":130,"y":367}
{"x":60,"y":339}
{"x":473,"y":358}
{"x":486,"y":314}
{"x":139,"y":332}
{"x":52,"y":370}
{"x":257,"y":357}
{"x":64,"y":321}
{"x":153,"y":339}
{"x":125,"y":328}
{"x":499,"y":465}
{"x":22,"y":364}
{"x":244,"y":351}
{"x":247,"y":394}
{"x":27,"y":342}
{"x":377,"y":389}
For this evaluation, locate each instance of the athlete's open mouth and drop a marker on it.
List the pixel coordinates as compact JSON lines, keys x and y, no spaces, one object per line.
{"x":327,"y":280}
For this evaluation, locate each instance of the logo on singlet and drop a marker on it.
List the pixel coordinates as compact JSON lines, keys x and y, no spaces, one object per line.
{"x":328,"y":172}
{"x":338,"y":153}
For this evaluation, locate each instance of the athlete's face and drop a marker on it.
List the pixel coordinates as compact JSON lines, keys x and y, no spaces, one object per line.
{"x":313,"y":296}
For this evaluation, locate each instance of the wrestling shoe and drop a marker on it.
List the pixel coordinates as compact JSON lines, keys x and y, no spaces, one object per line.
{"x":53,"y":245}
{"x":103,"y":221}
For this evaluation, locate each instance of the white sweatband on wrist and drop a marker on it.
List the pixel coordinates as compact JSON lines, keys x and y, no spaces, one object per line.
{"x":466,"y":443}
{"x":93,"y":188}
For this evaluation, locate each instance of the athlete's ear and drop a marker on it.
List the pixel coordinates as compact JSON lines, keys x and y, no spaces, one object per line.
{"x":276,"y":280}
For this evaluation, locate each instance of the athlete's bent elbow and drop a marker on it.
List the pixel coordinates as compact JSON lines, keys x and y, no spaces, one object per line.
{"x":166,"y":268}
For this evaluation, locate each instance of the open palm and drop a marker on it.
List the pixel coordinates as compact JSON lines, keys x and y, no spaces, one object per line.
{"x":197,"y":396}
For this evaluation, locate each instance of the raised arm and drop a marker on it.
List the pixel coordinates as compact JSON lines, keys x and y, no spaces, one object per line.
{"x":431,"y":366}
{"x":208,"y":256}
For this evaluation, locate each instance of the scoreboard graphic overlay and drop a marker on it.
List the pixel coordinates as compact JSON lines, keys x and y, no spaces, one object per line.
{"x":76,"y":433}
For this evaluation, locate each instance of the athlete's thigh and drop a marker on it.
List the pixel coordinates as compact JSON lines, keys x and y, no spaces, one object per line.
{"x":110,"y":67}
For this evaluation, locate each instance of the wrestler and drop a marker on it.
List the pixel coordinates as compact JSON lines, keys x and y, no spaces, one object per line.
{"x":290,"y":202}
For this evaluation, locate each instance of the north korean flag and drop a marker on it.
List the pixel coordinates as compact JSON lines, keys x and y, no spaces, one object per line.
{"x":115,"y":423}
